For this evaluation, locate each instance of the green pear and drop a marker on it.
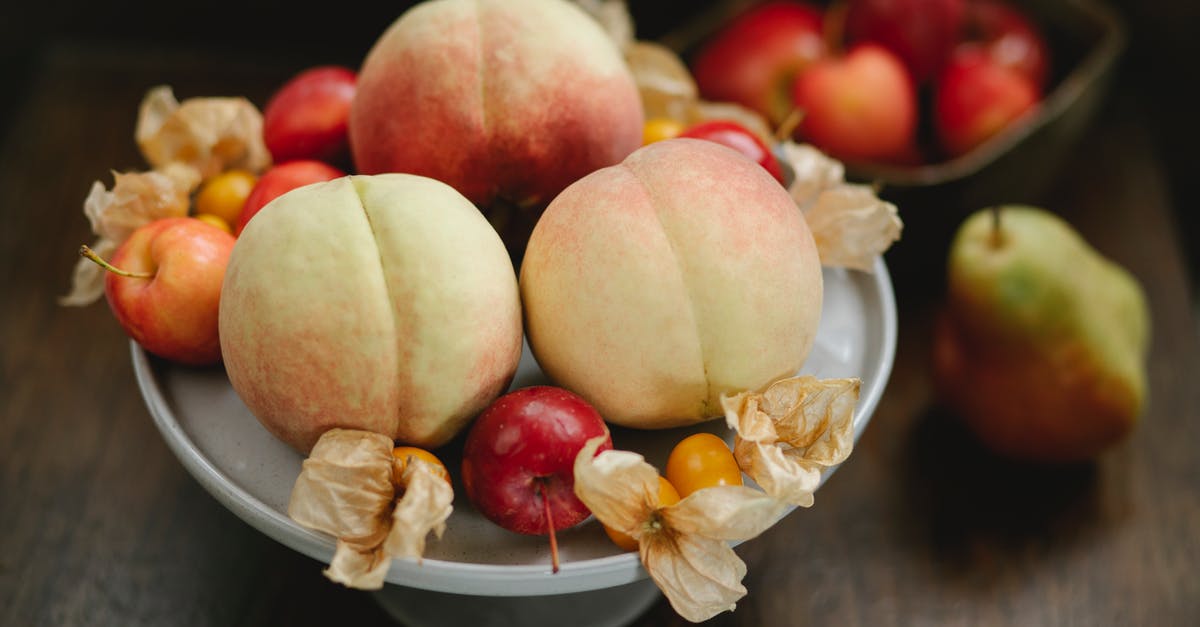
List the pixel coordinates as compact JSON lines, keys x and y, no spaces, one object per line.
{"x":1042,"y":345}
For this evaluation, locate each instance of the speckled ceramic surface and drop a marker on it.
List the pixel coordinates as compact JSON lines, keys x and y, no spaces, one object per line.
{"x":250,"y":472}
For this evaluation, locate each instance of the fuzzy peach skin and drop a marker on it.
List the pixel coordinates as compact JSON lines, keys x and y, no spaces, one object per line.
{"x":653,"y":286}
{"x":385,"y":303}
{"x":512,"y":99}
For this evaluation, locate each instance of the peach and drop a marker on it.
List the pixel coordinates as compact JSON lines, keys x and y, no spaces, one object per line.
{"x":653,"y":286}
{"x":501,"y":99}
{"x":385,"y":303}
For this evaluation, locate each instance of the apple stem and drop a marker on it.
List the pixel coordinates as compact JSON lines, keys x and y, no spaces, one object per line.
{"x":550,"y":523}
{"x":789,"y":124}
{"x":834,"y":26}
{"x":85,"y":251}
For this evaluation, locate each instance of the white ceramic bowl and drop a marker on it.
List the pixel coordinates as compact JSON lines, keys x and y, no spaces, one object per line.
{"x":249,"y":471}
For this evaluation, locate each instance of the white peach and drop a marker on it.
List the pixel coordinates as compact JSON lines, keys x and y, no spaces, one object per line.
{"x":501,"y":99}
{"x":652,"y":287}
{"x":385,"y":303}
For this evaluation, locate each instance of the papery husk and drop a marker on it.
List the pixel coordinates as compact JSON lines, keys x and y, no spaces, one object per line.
{"x":423,"y":509}
{"x":348,"y":488}
{"x":792,"y":432}
{"x":87,"y":279}
{"x":683,"y":547}
{"x":208,"y":134}
{"x":664,"y":82}
{"x":850,"y":223}
{"x":619,"y":487}
{"x":669,"y":91}
{"x":814,"y":172}
{"x":852,"y":226}
{"x":136,"y":199}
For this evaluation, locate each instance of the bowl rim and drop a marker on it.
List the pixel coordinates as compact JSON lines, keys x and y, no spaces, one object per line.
{"x":445,"y":575}
{"x":1101,"y":56}
{"x":1067,"y":92}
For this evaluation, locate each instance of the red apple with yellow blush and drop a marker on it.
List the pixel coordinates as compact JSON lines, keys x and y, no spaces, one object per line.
{"x":861,"y":107}
{"x":976,"y":98}
{"x":164,"y":287}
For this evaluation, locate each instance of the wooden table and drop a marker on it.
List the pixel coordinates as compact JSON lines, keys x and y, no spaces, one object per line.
{"x":101,"y":525}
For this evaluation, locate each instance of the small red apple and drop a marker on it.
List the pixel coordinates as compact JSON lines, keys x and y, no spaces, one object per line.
{"x":976,"y":98}
{"x":1010,"y":38}
{"x":519,"y":460}
{"x":308,"y":116}
{"x":281,"y":179}
{"x":164,"y":287}
{"x":862,"y":107}
{"x":922,"y":33}
{"x":735,"y":136}
{"x":754,"y":59}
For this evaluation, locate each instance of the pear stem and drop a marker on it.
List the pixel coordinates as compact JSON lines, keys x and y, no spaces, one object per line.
{"x":85,"y":251}
{"x":550,"y":524}
{"x":997,"y":234}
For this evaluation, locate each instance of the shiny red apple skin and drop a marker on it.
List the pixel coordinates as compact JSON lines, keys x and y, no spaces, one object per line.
{"x":524,"y":442}
{"x":281,"y":179}
{"x":735,"y":136}
{"x":174,"y":314}
{"x":923,"y":33}
{"x":976,"y":98}
{"x":1010,"y":38}
{"x":307,"y":117}
{"x":754,"y":59}
{"x":862,"y":107}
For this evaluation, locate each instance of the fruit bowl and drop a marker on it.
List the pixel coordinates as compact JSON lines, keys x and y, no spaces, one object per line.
{"x":250,"y":472}
{"x":1085,"y":40}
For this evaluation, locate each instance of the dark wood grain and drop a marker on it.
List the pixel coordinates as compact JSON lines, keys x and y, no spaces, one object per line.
{"x":100,"y":525}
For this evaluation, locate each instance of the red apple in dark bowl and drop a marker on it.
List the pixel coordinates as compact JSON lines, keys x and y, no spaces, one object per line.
{"x":519,"y":460}
{"x":861,"y":107}
{"x":922,"y":33}
{"x":754,"y":59}
{"x":280,"y":179}
{"x":1010,"y":38}
{"x":308,"y":117}
{"x":164,"y":287}
{"x":977,"y":97}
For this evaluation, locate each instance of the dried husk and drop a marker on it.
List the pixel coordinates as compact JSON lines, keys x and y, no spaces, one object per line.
{"x":664,"y":82}
{"x":349,"y":488}
{"x":792,"y":432}
{"x":850,"y":223}
{"x":136,"y":199}
{"x":669,"y":91}
{"x":683,"y":547}
{"x":814,"y":172}
{"x":852,"y":226}
{"x":208,"y":134}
